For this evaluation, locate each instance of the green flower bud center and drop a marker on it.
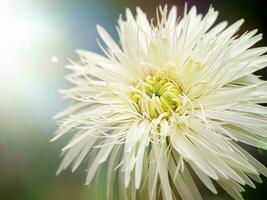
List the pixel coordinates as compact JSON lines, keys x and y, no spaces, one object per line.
{"x":157,"y":94}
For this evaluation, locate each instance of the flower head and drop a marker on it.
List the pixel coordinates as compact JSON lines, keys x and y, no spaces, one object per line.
{"x":172,"y":99}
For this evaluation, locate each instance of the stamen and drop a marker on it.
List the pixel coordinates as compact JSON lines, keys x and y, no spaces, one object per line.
{"x":158,"y":94}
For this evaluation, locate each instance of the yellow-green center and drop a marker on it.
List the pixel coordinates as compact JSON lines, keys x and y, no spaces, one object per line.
{"x":157,"y":94}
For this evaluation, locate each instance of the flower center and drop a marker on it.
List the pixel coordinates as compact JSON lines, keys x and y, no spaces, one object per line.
{"x":157,"y":94}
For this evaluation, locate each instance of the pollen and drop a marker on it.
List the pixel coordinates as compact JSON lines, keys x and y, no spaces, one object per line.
{"x":157,"y":94}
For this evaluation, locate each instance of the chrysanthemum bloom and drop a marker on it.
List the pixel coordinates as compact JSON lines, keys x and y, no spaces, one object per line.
{"x":172,"y":99}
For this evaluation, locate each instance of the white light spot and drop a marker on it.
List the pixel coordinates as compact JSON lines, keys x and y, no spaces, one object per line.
{"x":54,"y":59}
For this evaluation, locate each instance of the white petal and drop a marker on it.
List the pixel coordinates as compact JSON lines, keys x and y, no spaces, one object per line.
{"x":162,"y":162}
{"x":204,"y":178}
{"x":187,"y":150}
{"x":107,"y":39}
{"x":139,"y":161}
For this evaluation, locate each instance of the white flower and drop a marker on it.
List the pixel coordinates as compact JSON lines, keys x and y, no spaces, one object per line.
{"x":174,"y":97}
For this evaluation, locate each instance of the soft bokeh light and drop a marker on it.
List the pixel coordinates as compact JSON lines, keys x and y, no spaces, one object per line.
{"x":54,"y":59}
{"x":18,"y":35}
{"x":37,"y":37}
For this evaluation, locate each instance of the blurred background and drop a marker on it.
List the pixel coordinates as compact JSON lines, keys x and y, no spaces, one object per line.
{"x":37,"y":37}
